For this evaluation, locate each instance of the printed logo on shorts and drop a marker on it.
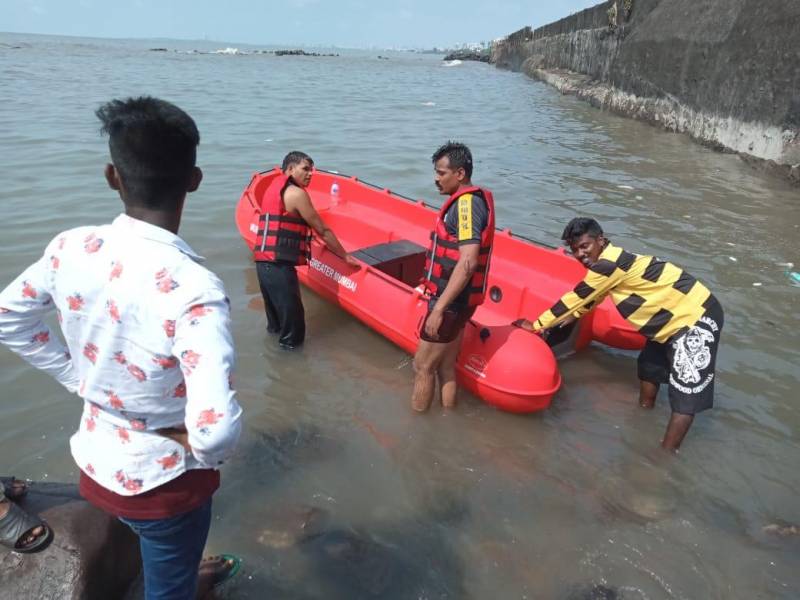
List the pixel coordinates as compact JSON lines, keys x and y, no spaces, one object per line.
{"x":692,"y":354}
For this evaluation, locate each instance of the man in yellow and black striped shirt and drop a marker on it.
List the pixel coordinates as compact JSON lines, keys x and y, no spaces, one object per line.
{"x":677,"y":314}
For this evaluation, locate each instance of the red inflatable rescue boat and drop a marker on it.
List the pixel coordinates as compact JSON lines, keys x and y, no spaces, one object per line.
{"x":507,"y":367}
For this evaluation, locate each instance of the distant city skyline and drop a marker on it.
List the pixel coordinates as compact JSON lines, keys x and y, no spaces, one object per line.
{"x":344,"y":23}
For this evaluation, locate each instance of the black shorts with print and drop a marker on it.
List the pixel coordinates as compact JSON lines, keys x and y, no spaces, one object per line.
{"x":686,"y":362}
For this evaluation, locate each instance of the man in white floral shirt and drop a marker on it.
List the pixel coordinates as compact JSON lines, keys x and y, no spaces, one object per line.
{"x":148,"y":348}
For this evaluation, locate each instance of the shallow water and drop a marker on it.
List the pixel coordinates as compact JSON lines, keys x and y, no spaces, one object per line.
{"x":338,"y":491}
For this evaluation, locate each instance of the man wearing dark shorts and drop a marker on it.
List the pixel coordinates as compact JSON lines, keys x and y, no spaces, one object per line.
{"x":454,"y":319}
{"x":678,"y":315}
{"x":456,"y":273}
{"x":686,"y":363}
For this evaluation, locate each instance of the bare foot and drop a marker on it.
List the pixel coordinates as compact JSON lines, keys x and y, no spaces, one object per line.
{"x":213,"y":571}
{"x":14,"y":488}
{"x":449,"y":403}
{"x":420,"y":405}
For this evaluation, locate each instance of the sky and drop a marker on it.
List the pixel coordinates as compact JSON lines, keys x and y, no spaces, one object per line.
{"x":343,"y":23}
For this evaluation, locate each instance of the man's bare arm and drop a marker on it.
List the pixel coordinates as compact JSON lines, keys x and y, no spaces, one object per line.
{"x":465,"y":268}
{"x":297,"y":199}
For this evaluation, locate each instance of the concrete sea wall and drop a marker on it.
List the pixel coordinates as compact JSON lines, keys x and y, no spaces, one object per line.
{"x":726,"y":72}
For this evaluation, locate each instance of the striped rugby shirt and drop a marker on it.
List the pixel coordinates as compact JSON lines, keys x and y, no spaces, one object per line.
{"x":657,"y":297}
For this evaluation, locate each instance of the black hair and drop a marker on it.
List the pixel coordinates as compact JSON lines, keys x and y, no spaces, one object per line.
{"x":458,"y":155}
{"x":580,"y":226}
{"x":153,"y":146}
{"x":295,"y":157}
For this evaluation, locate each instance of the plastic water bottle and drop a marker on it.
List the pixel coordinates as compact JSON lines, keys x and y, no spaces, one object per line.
{"x":334,"y":193}
{"x":794,"y":276}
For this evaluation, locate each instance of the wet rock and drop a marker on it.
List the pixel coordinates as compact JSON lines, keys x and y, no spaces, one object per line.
{"x":446,"y":508}
{"x":287,"y":526}
{"x":781,"y":529}
{"x":595,"y":592}
{"x":409,"y":560}
{"x":352,"y":565}
{"x":272,"y":451}
{"x":641,"y":493}
{"x":646,"y":506}
{"x":92,"y":555}
{"x":299,"y":52}
{"x":482,"y":55}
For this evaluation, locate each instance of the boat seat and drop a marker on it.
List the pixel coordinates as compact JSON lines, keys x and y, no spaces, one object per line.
{"x":403,"y":259}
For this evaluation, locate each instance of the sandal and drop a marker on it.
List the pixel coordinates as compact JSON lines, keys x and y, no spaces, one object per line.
{"x":16,"y":525}
{"x":222,"y":576}
{"x":15,"y":489}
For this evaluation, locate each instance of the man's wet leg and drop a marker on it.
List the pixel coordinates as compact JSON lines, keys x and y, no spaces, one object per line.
{"x":426,"y":361}
{"x":647,"y":393}
{"x":677,"y":428}
{"x":447,"y":372}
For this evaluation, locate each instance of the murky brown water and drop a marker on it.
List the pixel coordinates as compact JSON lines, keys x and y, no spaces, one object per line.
{"x":338,"y":491}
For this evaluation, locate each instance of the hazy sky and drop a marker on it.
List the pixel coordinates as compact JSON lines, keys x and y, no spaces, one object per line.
{"x":347,"y":23}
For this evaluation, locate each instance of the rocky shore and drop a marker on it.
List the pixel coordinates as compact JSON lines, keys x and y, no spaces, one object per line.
{"x":299,"y":53}
{"x":483,"y":55}
{"x":725,"y":72}
{"x":239,"y":52}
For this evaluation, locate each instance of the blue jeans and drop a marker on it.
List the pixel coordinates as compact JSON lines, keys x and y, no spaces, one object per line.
{"x":171,"y":552}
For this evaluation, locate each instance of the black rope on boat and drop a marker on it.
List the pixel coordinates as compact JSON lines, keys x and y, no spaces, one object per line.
{"x":337,"y":173}
{"x":533,"y":241}
{"x":380,"y":187}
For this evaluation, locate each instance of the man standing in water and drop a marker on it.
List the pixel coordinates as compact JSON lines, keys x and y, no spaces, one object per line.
{"x":678,"y":315}
{"x":456,"y":272}
{"x":285,"y":222}
{"x":149,"y":349}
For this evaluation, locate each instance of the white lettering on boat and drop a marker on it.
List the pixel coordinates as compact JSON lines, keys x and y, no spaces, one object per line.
{"x":476,"y":365}
{"x":331,"y":273}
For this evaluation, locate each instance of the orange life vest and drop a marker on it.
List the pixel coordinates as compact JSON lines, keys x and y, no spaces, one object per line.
{"x":281,"y":236}
{"x":443,"y":252}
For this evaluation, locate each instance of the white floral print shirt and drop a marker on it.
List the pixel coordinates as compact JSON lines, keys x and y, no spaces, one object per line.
{"x":148,"y":346}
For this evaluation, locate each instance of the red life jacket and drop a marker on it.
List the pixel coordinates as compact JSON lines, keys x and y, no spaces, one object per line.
{"x":443,"y":252}
{"x":281,"y":236}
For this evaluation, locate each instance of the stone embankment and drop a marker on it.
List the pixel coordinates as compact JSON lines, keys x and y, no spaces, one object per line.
{"x":726,"y":72}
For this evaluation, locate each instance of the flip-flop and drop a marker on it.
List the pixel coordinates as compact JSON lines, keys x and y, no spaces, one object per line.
{"x":14,"y":527}
{"x":12,"y":492}
{"x":229,"y":573}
